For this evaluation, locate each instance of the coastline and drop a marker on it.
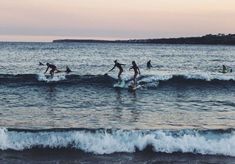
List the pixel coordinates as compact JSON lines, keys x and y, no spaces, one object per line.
{"x":209,"y":39}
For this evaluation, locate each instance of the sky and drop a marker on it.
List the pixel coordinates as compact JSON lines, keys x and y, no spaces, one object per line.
{"x":45,"y":20}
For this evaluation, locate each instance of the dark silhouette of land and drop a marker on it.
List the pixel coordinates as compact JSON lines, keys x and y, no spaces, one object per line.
{"x":220,"y":39}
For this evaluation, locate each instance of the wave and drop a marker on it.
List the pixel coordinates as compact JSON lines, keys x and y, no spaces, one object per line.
{"x":57,"y":79}
{"x":145,"y":80}
{"x":109,"y":141}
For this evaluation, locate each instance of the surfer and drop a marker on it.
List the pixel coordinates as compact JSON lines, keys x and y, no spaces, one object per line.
{"x":149,"y":65}
{"x":52,"y":67}
{"x":226,"y":69}
{"x":136,"y":71}
{"x":68,"y":70}
{"x":119,"y":66}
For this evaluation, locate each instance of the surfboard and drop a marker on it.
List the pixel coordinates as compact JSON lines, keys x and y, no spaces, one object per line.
{"x":134,"y":88}
{"x":120,"y":84}
{"x":223,"y":71}
{"x":49,"y":77}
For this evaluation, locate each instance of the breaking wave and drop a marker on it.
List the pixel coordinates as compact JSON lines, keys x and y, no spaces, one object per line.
{"x":108,"y":141}
{"x":147,"y":80}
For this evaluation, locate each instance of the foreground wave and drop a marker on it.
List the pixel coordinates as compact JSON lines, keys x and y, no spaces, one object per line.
{"x":108,"y":141}
{"x":147,"y":80}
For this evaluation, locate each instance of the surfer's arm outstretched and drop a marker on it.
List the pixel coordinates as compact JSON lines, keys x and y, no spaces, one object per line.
{"x":112,"y":68}
{"x":46,"y":70}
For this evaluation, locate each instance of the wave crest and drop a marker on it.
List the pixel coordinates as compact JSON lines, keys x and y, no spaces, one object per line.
{"x":149,"y":81}
{"x":103,"y":141}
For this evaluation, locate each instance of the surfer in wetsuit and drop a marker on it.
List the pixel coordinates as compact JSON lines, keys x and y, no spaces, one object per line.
{"x":68,"y":70}
{"x":226,"y":69}
{"x":149,"y":65}
{"x":136,"y":71}
{"x":119,"y":66}
{"x":52,"y":67}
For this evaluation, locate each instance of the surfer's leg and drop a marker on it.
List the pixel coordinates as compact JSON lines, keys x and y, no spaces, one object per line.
{"x":135,"y":81}
{"x":57,"y":71}
{"x":52,"y":72}
{"x":119,"y":76}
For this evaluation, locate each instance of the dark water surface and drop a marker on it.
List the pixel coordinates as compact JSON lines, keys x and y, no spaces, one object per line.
{"x":185,"y":106}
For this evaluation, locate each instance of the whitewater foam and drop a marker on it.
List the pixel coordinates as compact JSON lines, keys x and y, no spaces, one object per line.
{"x":149,"y":81}
{"x":108,"y":142}
{"x":55,"y":78}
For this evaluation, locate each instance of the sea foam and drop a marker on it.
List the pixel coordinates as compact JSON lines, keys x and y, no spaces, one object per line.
{"x":56,"y":77}
{"x":113,"y":141}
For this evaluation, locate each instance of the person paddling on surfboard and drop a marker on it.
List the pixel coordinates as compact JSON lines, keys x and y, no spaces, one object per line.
{"x":226,"y":69}
{"x":119,"y":66}
{"x":52,"y":67}
{"x":149,"y":65}
{"x":136,"y":71}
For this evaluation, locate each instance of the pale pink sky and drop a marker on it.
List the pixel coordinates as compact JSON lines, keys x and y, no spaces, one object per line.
{"x":45,"y":20}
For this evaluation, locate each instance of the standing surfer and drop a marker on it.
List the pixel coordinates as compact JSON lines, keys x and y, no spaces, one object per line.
{"x":119,"y":66}
{"x":136,"y":71}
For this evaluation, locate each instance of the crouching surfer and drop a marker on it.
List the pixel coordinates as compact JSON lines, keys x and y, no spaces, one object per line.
{"x":53,"y":69}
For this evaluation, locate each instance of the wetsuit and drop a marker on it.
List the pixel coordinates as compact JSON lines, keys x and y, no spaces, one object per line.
{"x":149,"y":65}
{"x":136,"y":72}
{"x":52,"y":67}
{"x":119,"y":66}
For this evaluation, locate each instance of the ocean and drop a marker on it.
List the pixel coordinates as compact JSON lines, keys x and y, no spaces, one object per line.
{"x":183,"y":113}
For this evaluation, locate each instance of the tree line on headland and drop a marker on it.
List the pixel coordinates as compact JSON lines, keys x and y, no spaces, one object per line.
{"x":219,"y":39}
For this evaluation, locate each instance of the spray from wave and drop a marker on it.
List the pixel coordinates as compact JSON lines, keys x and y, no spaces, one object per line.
{"x":103,"y":141}
{"x":55,"y":78}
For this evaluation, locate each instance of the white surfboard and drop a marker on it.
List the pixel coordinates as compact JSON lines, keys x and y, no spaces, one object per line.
{"x":120,"y":84}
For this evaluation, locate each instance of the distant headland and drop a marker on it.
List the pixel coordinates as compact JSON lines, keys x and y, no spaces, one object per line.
{"x":219,"y":39}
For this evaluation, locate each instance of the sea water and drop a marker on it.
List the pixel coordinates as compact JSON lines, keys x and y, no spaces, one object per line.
{"x":186,"y":105}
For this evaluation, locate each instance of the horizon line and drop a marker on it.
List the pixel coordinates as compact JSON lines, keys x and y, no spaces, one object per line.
{"x":105,"y":38}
